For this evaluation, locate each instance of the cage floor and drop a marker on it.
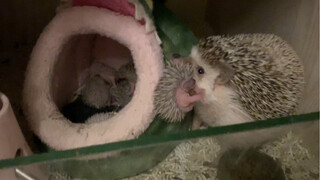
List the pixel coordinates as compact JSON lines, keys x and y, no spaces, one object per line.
{"x":198,"y":159}
{"x":195,"y":160}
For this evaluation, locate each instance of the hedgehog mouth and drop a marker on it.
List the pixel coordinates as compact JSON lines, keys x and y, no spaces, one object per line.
{"x":194,"y":89}
{"x":199,"y":91}
{"x":193,"y":92}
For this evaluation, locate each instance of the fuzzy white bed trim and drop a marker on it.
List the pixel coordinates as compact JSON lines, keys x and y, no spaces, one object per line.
{"x":43,"y":114}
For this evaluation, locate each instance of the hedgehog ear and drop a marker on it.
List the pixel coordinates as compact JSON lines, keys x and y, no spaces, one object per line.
{"x":177,"y":58}
{"x":226,"y":74}
{"x":176,"y":55}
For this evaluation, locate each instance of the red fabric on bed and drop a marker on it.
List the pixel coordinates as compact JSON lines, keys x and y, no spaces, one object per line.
{"x":121,"y":6}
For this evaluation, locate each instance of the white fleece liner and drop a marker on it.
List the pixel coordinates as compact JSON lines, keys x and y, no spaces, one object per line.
{"x":42,"y":98}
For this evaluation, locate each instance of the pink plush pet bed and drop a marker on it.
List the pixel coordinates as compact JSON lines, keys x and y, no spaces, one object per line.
{"x":77,"y":39}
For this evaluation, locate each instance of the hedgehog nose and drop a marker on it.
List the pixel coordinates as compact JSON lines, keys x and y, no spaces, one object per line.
{"x":189,"y":84}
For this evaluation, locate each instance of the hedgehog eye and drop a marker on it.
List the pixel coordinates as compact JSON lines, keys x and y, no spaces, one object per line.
{"x":200,"y":70}
{"x":120,"y":80}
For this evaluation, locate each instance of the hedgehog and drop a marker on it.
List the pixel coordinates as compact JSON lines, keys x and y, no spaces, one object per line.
{"x":246,"y":77}
{"x":106,"y":86}
{"x":237,"y":164}
{"x":122,"y":93}
{"x":128,"y":72}
{"x":175,"y":93}
{"x":261,"y":69}
{"x":96,"y":92}
{"x":233,"y":79}
{"x":95,"y":88}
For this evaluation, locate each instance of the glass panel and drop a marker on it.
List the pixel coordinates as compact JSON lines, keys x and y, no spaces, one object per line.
{"x":27,"y":172}
{"x":200,"y":154}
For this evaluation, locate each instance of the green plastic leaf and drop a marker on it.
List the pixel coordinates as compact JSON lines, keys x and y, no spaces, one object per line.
{"x":128,"y":162}
{"x":175,"y":36}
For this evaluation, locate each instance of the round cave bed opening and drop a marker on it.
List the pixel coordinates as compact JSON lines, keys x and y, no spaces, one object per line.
{"x":93,"y":74}
{"x":68,"y":53}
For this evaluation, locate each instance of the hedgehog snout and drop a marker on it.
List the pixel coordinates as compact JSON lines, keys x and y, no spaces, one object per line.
{"x":189,"y":84}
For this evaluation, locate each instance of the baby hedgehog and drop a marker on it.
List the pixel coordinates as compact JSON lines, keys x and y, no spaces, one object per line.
{"x":125,"y":83}
{"x":128,"y":72}
{"x":176,"y":91}
{"x":122,"y":93}
{"x":96,"y":92}
{"x":246,"y":78}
